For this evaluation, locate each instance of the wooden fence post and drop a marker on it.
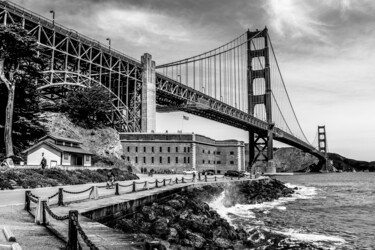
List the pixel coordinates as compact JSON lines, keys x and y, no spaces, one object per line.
{"x":72,"y":231}
{"x":27,"y":200}
{"x":60,"y":200}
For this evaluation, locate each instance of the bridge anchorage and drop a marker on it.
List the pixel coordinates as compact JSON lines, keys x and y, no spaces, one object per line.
{"x":238,"y":84}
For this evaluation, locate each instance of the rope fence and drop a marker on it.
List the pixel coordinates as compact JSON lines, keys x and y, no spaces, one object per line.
{"x":43,"y":208}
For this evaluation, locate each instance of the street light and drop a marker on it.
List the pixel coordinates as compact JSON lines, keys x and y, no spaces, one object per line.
{"x":203,"y":90}
{"x":53,"y":17}
{"x":179,"y":76}
{"x":109,"y":42}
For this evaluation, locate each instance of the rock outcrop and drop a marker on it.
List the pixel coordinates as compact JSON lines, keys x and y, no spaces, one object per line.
{"x":255,"y":192}
{"x":186,"y":221}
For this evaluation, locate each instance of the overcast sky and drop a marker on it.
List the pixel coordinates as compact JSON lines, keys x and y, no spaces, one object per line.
{"x":326,"y":51}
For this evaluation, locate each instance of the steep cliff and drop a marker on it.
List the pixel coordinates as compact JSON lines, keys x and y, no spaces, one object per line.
{"x":103,"y":142}
{"x":292,"y":160}
{"x":295,"y":160}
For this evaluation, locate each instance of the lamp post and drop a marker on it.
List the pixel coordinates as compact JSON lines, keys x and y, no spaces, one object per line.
{"x":53,"y":17}
{"x":109,"y":43}
{"x":179,"y":77}
{"x":203,"y":90}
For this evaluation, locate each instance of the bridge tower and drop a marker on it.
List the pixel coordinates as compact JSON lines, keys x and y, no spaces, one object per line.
{"x":148,"y":108}
{"x":322,"y":139}
{"x":260,"y":143}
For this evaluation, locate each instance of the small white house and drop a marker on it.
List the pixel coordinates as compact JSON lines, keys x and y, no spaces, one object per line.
{"x":58,"y":151}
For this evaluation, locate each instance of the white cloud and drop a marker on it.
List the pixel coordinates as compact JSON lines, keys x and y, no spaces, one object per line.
{"x":142,"y":27}
{"x":293,"y":18}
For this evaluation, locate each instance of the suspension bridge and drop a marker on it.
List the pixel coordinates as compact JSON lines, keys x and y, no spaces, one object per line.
{"x":239,"y":83}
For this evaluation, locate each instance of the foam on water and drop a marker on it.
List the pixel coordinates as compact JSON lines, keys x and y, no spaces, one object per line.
{"x":246,"y":211}
{"x":231,"y":214}
{"x":309,"y":237}
{"x":225,"y":212}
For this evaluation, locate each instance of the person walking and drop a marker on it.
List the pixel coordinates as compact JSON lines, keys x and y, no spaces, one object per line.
{"x":43,"y":163}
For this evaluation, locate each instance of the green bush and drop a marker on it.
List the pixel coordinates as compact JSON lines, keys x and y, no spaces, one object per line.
{"x":32,"y":178}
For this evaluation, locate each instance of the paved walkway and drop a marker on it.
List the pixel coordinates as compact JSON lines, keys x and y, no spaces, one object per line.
{"x":32,"y":236}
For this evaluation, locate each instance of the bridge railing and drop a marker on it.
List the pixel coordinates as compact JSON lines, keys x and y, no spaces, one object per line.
{"x":64,"y":30}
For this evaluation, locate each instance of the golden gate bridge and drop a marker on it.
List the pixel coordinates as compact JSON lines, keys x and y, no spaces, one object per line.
{"x":239,"y":83}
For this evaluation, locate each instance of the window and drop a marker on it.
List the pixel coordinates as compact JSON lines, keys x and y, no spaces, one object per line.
{"x":209,"y":152}
{"x":184,"y":149}
{"x":203,"y":151}
{"x":184,"y":159}
{"x":161,"y":149}
{"x":203,"y":161}
{"x":144,"y":159}
{"x":87,"y":158}
{"x":209,"y":162}
{"x":136,"y":149}
{"x":152,"y":160}
{"x":176,"y":159}
{"x":176,"y":149}
{"x":188,"y":149}
{"x":218,"y":152}
{"x":188,"y":159}
{"x":218,"y":162}
{"x":144,"y":149}
{"x":218,"y":171}
{"x":231,"y":152}
{"x":66,"y":156}
{"x":231,"y":162}
{"x":152,"y":149}
{"x":128,"y":149}
{"x":136,"y":159}
{"x":169,"y":149}
{"x":214,"y":162}
{"x":169,"y":159}
{"x":161,"y":159}
{"x":128,"y":158}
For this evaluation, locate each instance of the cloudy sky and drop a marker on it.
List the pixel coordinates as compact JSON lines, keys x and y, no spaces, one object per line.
{"x":326,"y":51}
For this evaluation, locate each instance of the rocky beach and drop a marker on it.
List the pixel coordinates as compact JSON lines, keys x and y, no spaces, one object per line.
{"x":186,"y":220}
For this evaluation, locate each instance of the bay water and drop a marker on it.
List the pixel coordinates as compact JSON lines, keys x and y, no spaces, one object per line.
{"x":330,"y":211}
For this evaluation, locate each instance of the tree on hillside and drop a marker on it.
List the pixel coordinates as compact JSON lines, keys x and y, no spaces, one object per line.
{"x":87,"y":107}
{"x":19,"y":62}
{"x":27,"y":119}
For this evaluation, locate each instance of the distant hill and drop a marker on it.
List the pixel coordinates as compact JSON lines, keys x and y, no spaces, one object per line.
{"x":295,"y":160}
{"x":346,"y":164}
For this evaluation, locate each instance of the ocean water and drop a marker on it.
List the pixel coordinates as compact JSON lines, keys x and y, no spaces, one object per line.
{"x":330,"y":211}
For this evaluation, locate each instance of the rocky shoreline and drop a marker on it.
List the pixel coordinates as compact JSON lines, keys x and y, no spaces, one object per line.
{"x":186,"y":221}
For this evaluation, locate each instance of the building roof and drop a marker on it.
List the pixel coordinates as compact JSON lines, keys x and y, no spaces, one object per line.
{"x":59,"y":138}
{"x":60,"y":148}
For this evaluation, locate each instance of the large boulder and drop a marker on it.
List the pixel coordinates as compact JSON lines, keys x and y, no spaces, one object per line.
{"x":195,"y":239}
{"x":160,"y":228}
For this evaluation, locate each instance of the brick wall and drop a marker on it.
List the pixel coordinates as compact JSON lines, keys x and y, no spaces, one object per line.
{"x":209,"y":154}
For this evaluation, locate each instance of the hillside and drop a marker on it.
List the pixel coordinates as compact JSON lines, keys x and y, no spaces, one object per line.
{"x":294,"y":160}
{"x":103,"y":142}
{"x":346,"y":164}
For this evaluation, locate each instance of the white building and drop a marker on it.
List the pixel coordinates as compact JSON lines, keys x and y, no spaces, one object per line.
{"x":58,"y":151}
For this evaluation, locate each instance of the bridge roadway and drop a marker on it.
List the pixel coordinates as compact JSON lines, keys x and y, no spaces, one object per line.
{"x":104,"y":237}
{"x":174,"y":96}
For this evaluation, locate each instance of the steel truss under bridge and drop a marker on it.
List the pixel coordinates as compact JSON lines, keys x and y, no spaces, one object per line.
{"x":76,"y":61}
